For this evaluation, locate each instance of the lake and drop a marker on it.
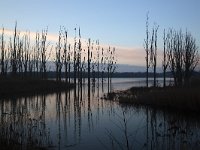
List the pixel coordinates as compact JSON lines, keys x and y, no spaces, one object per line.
{"x":72,"y":120}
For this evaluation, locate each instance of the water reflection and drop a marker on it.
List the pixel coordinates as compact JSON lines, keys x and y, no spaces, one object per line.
{"x":23,"y":123}
{"x":77,"y":119}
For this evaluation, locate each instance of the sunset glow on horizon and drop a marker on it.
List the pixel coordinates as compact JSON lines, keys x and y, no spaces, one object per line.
{"x":117,"y":24}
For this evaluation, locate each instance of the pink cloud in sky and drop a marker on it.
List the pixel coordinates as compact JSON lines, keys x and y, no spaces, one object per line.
{"x":124,"y":55}
{"x":132,"y":56}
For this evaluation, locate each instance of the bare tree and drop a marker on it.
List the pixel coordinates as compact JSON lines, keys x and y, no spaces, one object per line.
{"x":59,"y":59}
{"x":37,"y":54}
{"x":165,"y":62}
{"x":190,"y":57}
{"x":43,"y":47}
{"x":69,"y":63}
{"x":25,"y":54}
{"x":146,"y":46}
{"x":65,"y":56}
{"x":89,"y":61}
{"x":183,"y":56}
{"x":153,"y":51}
{"x":14,"y":52}
{"x":102,"y":66}
{"x":2,"y":53}
{"x":75,"y":58}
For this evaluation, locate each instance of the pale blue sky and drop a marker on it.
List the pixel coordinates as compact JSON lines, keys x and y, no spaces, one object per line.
{"x":115,"y":22}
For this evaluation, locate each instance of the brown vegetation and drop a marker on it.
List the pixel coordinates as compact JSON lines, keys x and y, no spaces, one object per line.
{"x":171,"y":98}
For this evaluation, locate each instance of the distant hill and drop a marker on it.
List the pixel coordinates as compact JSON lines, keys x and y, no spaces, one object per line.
{"x":115,"y":75}
{"x":130,"y":68}
{"x":120,"y":67}
{"x":134,"y":68}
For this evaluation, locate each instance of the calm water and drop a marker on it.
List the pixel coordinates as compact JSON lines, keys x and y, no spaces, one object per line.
{"x":72,"y":120}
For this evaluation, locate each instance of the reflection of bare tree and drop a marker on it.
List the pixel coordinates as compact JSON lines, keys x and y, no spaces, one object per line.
{"x":21,"y":127}
{"x":90,"y":118}
{"x":172,"y":132}
{"x":58,"y":115}
{"x":160,"y":130}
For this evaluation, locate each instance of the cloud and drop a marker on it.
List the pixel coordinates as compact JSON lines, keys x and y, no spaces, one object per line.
{"x":132,"y":56}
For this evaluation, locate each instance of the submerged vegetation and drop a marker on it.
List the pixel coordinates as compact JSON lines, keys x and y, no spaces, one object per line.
{"x":29,"y":60}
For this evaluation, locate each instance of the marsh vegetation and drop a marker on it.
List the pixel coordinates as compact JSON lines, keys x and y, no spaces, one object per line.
{"x":159,"y":117}
{"x":25,"y":60}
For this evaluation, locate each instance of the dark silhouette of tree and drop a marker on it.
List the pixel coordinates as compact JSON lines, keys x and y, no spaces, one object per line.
{"x":37,"y":54}
{"x":146,"y":46}
{"x":176,"y":56}
{"x":2,"y":53}
{"x":183,"y":56}
{"x":24,"y":57}
{"x":43,"y":54}
{"x":165,"y":62}
{"x":153,"y":51}
{"x":69,"y":63}
{"x":102,"y":66}
{"x":89,"y":61}
{"x":190,"y":57}
{"x":14,"y":52}
{"x":111,"y":65}
{"x":24,"y":52}
{"x":66,"y":56}
{"x":79,"y":61}
{"x":75,"y":58}
{"x":59,"y":57}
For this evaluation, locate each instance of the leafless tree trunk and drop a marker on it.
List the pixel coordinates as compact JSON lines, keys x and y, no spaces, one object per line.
{"x":89,"y":60}
{"x":14,"y":53}
{"x":165,"y":60}
{"x":75,"y":59}
{"x":65,"y":57}
{"x":146,"y":43}
{"x":153,"y":52}
{"x":58,"y":61}
{"x":69,"y":64}
{"x":2,"y":53}
{"x":43,"y":69}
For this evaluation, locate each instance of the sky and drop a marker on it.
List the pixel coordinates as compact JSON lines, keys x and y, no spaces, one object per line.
{"x":119,"y":23}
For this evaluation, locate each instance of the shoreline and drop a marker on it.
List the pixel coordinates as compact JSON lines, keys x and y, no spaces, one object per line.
{"x":170,"y":98}
{"x":16,"y":87}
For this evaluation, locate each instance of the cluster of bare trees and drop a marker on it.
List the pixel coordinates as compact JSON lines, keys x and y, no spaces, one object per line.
{"x":180,"y":54}
{"x":22,"y":56}
{"x":83,"y":62}
{"x":150,"y":44}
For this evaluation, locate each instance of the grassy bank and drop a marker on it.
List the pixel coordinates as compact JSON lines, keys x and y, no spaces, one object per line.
{"x":170,"y":98}
{"x":15,"y":87}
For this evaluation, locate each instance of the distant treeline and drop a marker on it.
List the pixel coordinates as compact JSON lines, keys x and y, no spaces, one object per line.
{"x":116,"y":74}
{"x":123,"y":75}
